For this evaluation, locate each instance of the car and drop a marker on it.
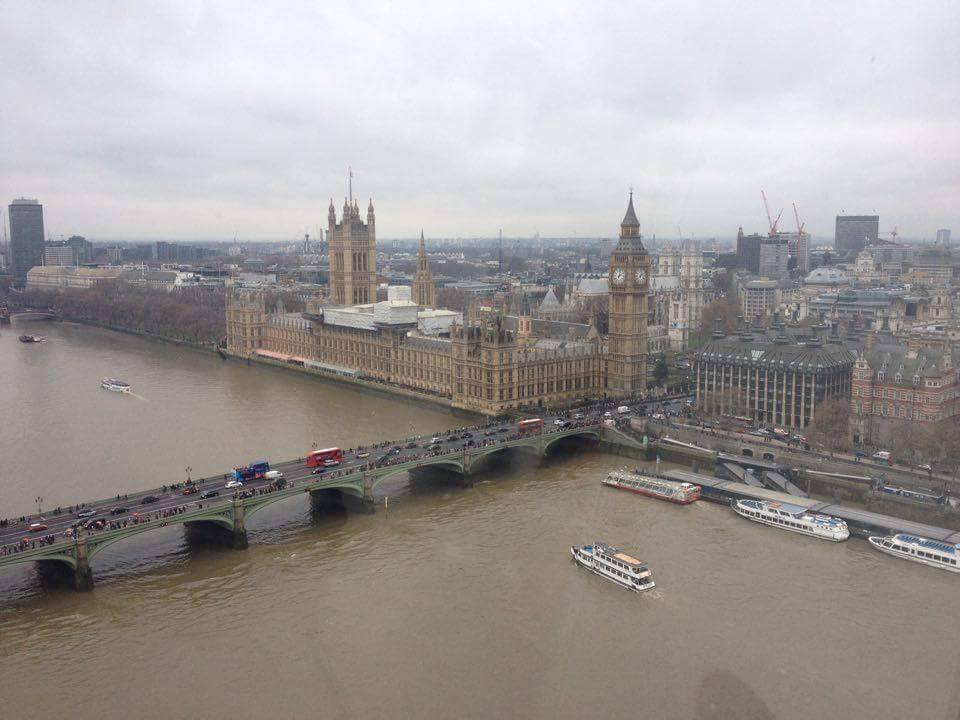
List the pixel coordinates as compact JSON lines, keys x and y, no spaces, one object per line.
{"x":118,"y":511}
{"x":925,"y":466}
{"x":89,"y":512}
{"x":233,"y":484}
{"x":434,"y":446}
{"x":147,"y":499}
{"x":37,"y":527}
{"x":318,"y":471}
{"x":411,"y":445}
{"x":190,"y":490}
{"x":559,"y":421}
{"x":488,"y":433}
{"x":330,"y":462}
{"x":578,"y":416}
{"x":503,"y":430}
{"x":860,"y":454}
{"x":206,"y":494}
{"x":467,"y":436}
{"x":436,"y":439}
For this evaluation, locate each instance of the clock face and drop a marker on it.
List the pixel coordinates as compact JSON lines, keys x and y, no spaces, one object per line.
{"x":641,"y":276}
{"x":618,"y":276}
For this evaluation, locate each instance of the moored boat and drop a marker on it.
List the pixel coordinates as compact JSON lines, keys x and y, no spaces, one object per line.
{"x":32,"y":339}
{"x":793,"y":518}
{"x":682,"y":493}
{"x":922,"y":550}
{"x":115,"y":385}
{"x":613,"y":564}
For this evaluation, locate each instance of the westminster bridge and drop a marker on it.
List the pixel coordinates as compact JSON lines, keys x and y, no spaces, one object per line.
{"x":67,"y":546}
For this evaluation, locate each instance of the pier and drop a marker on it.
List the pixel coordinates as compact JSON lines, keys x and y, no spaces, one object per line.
{"x":861,"y":522}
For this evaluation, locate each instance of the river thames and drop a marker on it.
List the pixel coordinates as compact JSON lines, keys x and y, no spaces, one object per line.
{"x":452,"y":603}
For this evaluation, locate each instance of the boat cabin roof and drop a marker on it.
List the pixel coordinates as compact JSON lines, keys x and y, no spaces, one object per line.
{"x":929,"y":544}
{"x":615,"y":553}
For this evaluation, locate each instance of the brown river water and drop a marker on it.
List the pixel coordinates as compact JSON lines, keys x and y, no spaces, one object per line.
{"x":453,"y":603}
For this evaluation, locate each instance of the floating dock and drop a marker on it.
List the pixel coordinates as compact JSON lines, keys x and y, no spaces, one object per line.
{"x":861,"y":522}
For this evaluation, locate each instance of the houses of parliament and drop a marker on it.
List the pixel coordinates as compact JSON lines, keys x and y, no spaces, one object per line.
{"x":487,"y":365}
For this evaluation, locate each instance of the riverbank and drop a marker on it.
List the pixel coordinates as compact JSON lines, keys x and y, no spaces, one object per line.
{"x":205,"y":347}
{"x":379,"y":387}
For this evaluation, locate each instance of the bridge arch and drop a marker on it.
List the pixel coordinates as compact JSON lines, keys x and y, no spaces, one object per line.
{"x":585,"y":433}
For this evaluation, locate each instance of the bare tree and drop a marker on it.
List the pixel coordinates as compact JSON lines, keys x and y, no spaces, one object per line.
{"x":830,"y":426}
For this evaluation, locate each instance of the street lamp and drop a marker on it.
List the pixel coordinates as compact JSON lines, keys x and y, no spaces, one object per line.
{"x":189,"y":470}
{"x":39,"y":501}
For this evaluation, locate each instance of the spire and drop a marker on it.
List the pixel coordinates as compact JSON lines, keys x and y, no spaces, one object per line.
{"x":370,"y":207}
{"x":630,"y":231}
{"x":630,"y":219}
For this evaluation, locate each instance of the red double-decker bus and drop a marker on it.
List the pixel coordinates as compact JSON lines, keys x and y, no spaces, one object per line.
{"x":327,"y":457}
{"x":530,"y":425}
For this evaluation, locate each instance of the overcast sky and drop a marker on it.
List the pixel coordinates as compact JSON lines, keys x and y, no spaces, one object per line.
{"x":199,"y":120}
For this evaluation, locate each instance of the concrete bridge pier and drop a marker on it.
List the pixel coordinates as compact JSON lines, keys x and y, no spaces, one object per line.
{"x":366,"y":502}
{"x":239,"y":539}
{"x":82,"y":575}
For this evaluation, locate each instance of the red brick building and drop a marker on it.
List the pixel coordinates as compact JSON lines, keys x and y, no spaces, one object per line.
{"x":894,"y":383}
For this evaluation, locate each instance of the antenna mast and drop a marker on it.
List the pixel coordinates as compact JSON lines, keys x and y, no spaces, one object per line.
{"x":500,"y":253}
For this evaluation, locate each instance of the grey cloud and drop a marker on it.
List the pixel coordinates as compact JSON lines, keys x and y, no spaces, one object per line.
{"x":199,"y":120}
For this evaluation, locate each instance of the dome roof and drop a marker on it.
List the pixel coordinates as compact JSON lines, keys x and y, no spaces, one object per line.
{"x":827,"y":276}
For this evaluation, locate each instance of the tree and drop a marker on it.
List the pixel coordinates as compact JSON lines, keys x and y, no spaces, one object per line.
{"x":830,"y":426}
{"x":726,"y":310}
{"x":660,"y":370}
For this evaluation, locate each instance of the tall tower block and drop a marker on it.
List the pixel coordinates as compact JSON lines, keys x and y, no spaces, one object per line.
{"x":424,"y":291}
{"x":353,"y":255}
{"x":629,"y":286}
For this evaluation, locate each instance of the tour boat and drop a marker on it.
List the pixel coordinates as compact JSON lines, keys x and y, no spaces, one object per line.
{"x":793,"y":518}
{"x":921,"y":550}
{"x":115,"y":385}
{"x":32,"y":338}
{"x":682,"y":493}
{"x":609,"y":562}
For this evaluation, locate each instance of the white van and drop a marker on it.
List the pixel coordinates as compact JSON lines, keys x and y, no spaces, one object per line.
{"x":623,"y":409}
{"x":273,"y":475}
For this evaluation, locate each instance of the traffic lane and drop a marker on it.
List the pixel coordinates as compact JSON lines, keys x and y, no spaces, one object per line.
{"x":175,"y":499}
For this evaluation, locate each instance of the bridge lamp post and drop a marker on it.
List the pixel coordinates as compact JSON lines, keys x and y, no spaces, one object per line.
{"x":189,"y":470}
{"x":39,"y":501}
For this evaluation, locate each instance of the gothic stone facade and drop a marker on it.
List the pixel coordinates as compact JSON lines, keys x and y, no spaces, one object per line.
{"x":488,"y":366}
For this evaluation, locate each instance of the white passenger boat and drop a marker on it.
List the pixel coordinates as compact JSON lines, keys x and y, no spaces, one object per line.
{"x":793,"y":518}
{"x":611,"y":563}
{"x":115,"y":385}
{"x":921,"y":550}
{"x":682,"y":493}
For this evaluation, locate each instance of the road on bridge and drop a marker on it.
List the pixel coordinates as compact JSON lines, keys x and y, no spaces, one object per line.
{"x":164,"y":502}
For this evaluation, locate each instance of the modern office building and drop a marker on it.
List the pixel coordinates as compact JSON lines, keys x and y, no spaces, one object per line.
{"x":748,"y":251}
{"x":26,"y":235}
{"x":774,"y":258}
{"x":943,"y":237}
{"x":854,"y":232}
{"x":59,"y":253}
{"x":777,"y":377}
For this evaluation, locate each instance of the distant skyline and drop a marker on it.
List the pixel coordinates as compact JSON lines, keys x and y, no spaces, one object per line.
{"x":199,"y":122}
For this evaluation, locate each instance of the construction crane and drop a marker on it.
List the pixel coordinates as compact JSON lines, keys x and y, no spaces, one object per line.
{"x":800,"y":225}
{"x":770,"y":220}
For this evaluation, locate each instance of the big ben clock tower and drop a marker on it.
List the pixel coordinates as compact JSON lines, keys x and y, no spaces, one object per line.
{"x":629,"y":283}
